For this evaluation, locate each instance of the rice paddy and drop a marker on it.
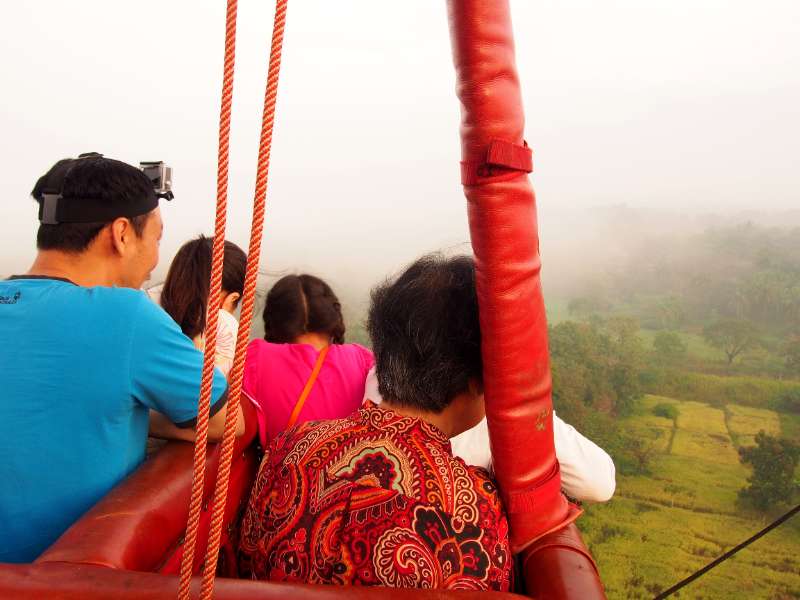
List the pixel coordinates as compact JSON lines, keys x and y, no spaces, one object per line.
{"x":660,"y":528}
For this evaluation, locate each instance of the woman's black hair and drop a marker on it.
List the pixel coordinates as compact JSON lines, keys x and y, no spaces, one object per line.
{"x":299,"y":304}
{"x":425,"y":333}
{"x":185,"y":292}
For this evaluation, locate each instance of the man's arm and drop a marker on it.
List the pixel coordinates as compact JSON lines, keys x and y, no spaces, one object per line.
{"x":161,"y":427}
{"x":587,"y":471}
{"x":166,"y":369}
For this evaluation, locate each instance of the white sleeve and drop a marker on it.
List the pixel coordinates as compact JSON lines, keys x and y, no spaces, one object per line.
{"x":227,"y":330}
{"x":473,"y":446}
{"x":587,"y":471}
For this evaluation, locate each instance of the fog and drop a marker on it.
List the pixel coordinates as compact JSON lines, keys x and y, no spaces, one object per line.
{"x":642,"y":116}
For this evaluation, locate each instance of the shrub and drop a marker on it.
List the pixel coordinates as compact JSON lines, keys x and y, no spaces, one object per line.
{"x":774,"y":462}
{"x":668,"y":411}
{"x":669,"y":346}
{"x":789,"y":401}
{"x":718,"y":391}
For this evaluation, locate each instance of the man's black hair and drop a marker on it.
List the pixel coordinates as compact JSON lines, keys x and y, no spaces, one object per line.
{"x":426,"y":334}
{"x":94,"y":177}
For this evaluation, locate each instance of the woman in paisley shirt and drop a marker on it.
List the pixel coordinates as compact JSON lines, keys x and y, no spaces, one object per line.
{"x":378,"y":498}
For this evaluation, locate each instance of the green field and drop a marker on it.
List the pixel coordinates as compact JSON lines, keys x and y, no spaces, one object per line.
{"x":660,"y":528}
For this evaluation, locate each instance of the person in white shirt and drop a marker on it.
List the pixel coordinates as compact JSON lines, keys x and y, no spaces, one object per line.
{"x":587,"y":471}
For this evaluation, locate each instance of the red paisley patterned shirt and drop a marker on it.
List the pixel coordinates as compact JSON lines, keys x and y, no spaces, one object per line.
{"x":374,"y":499}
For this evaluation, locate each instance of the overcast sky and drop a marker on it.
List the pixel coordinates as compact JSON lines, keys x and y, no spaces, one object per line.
{"x":684,"y":105}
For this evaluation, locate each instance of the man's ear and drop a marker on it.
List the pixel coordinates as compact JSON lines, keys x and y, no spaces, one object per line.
{"x":121,"y":231}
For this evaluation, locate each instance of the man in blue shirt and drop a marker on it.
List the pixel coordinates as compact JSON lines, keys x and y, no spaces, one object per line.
{"x":85,"y":355}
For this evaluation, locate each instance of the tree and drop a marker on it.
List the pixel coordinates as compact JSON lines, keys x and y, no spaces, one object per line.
{"x":791,"y":354}
{"x":595,"y":367}
{"x":774,"y":462}
{"x":789,"y":401}
{"x":642,"y":452}
{"x":625,"y":359}
{"x":732,"y":336}
{"x":668,"y":411}
{"x":669,"y":346}
{"x":587,"y":305}
{"x":671,"y":312}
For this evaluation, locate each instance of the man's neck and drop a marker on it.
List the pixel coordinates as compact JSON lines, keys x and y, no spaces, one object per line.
{"x":81,"y":268}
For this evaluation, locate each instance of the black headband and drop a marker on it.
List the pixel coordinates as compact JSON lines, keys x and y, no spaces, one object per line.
{"x":55,"y":208}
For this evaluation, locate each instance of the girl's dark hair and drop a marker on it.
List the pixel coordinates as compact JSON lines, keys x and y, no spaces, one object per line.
{"x":425,"y":333}
{"x":299,"y":304}
{"x":185,"y":292}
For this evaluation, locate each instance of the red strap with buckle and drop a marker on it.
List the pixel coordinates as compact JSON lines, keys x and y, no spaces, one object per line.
{"x":503,"y":160}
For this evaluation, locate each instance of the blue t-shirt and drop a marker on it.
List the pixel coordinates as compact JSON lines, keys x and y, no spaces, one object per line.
{"x":79,"y":369}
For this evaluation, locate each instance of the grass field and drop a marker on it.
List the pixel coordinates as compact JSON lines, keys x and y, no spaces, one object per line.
{"x":745,"y":422}
{"x":660,"y":528}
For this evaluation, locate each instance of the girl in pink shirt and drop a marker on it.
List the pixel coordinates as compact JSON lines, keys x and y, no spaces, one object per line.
{"x":302,"y":370}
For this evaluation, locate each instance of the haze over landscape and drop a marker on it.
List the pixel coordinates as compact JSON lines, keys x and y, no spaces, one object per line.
{"x":666,"y":139}
{"x":683,"y":108}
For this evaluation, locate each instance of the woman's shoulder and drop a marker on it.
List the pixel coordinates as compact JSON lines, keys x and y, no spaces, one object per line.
{"x":363,"y":356}
{"x":259,"y":350}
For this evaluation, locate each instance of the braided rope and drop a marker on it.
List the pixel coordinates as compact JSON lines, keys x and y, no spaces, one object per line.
{"x":248,"y":301}
{"x":212,"y":312}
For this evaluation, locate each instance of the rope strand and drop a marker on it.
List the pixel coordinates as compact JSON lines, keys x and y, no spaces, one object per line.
{"x":212,"y":313}
{"x":248,"y":302}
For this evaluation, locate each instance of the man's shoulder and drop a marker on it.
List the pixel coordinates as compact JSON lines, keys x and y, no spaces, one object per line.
{"x":55,"y":294}
{"x":131,"y":308}
{"x":120,"y":296}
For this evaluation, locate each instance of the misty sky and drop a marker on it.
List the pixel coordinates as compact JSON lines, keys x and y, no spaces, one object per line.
{"x":681,"y":105}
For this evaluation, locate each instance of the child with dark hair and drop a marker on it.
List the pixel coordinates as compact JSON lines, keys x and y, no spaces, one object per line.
{"x":184,"y":295}
{"x":302,"y":370}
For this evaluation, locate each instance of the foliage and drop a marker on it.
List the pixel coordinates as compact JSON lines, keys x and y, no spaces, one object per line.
{"x":670,"y":311}
{"x":642,"y":452}
{"x":789,"y":401}
{"x":732,"y":336}
{"x":759,"y":392}
{"x":774,"y":462}
{"x":791,"y":355}
{"x":668,"y":411}
{"x":596,"y":367}
{"x":587,"y":305}
{"x":669,"y":346}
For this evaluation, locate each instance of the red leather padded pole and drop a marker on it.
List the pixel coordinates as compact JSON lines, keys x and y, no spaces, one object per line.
{"x":503,"y":228}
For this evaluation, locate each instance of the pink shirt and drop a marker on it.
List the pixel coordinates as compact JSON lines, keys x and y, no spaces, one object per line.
{"x":275,"y":375}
